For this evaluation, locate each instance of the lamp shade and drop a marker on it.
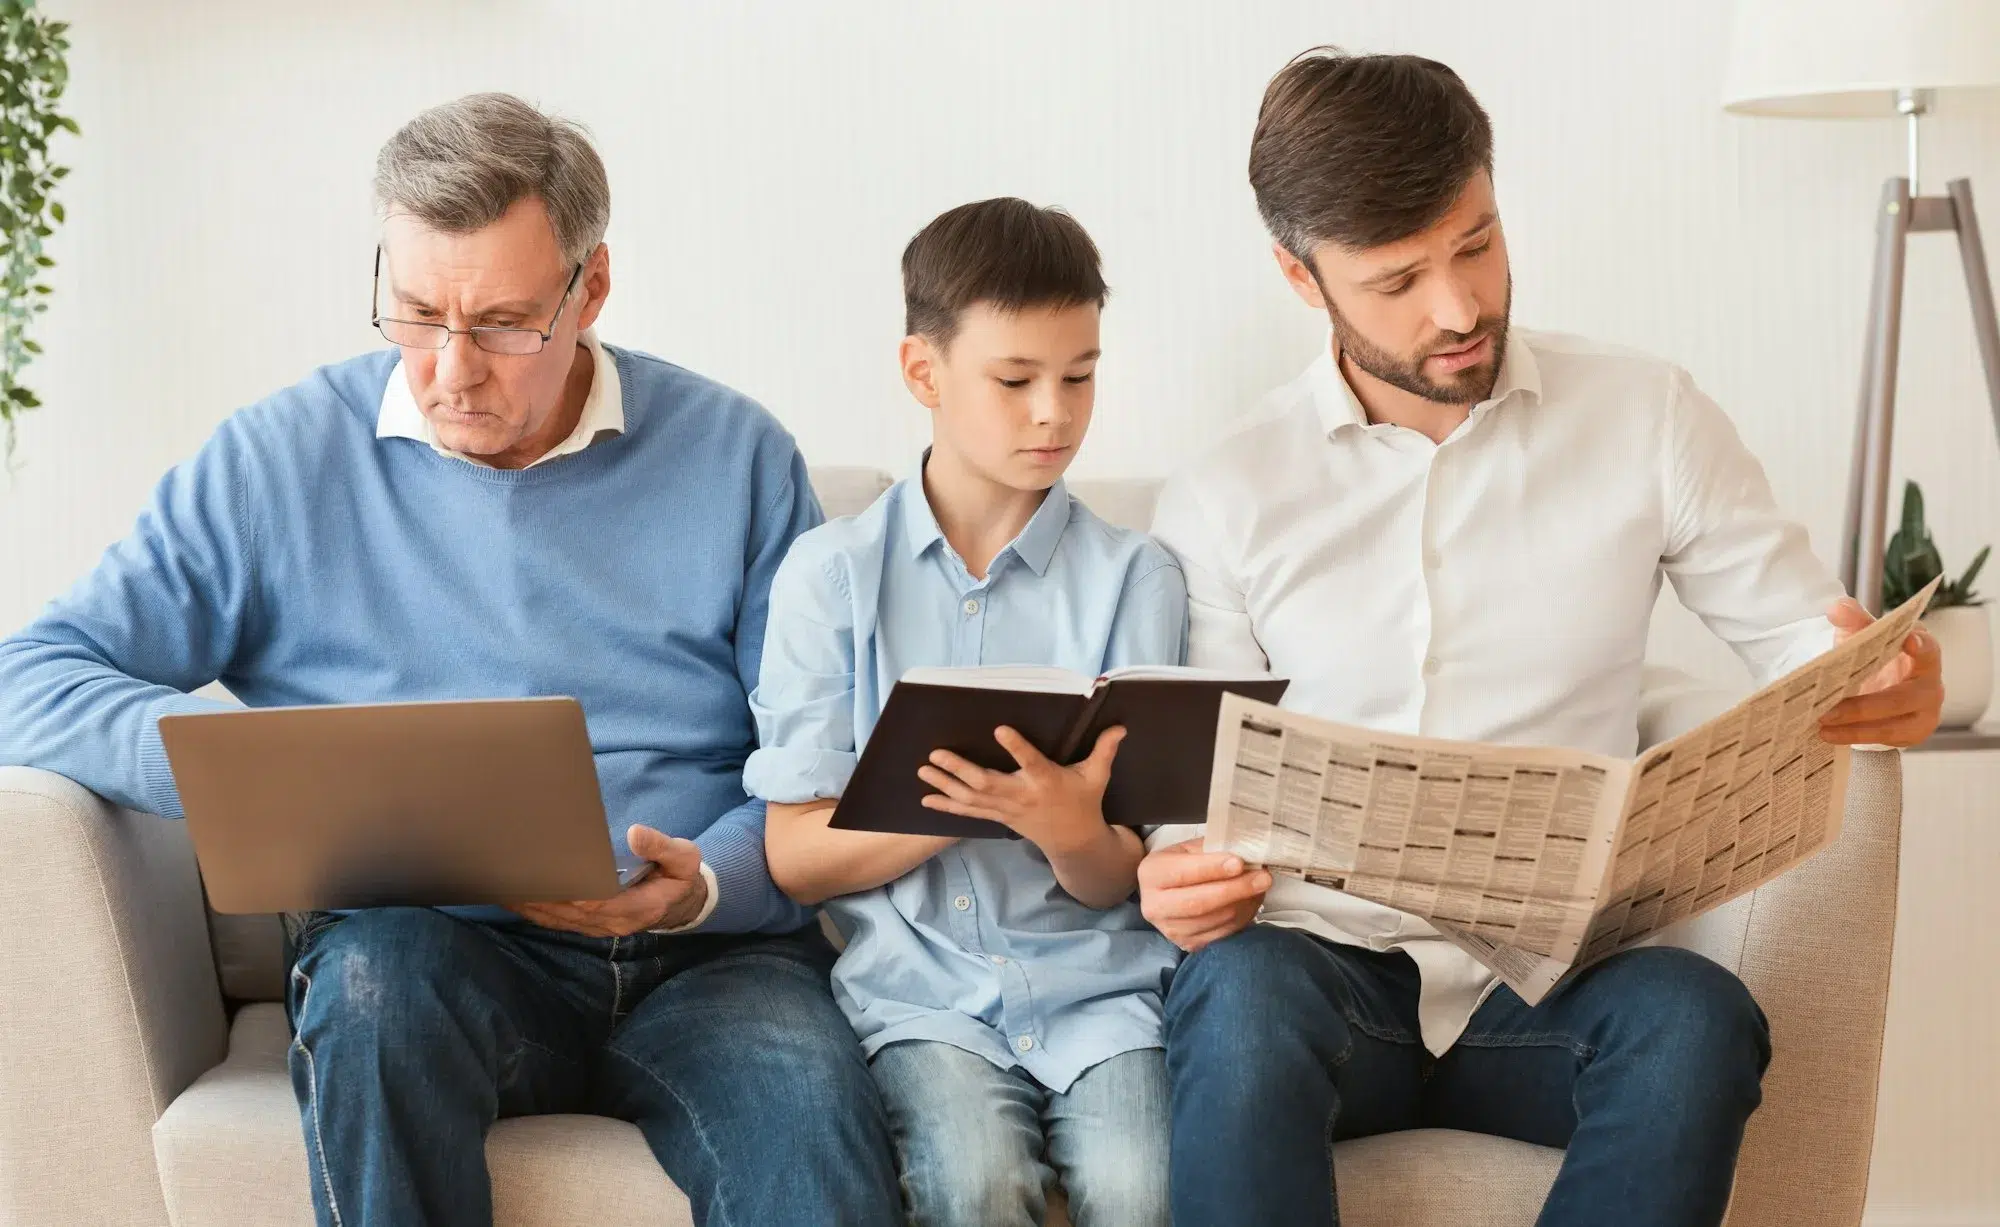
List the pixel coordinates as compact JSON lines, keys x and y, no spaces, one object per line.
{"x":1845,"y":59}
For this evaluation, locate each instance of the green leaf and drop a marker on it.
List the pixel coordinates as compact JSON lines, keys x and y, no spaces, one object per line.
{"x":69,"y":125}
{"x":1972,"y":572}
{"x":31,"y":345}
{"x":1913,"y":509}
{"x":20,"y":395}
{"x":56,"y":211}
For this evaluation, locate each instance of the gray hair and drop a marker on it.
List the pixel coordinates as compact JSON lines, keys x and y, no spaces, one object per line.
{"x":457,"y":167}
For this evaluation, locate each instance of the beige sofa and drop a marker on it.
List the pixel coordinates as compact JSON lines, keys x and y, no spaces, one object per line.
{"x":142,"y":1049}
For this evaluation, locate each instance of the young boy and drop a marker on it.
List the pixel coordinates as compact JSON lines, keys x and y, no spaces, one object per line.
{"x":1007,"y":992}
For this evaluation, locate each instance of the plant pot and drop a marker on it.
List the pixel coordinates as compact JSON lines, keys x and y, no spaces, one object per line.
{"x":1965,"y":637}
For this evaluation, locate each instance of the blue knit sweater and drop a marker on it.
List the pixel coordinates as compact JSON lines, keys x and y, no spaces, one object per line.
{"x":299,"y":559}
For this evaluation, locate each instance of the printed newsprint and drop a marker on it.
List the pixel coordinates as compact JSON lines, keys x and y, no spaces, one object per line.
{"x":1538,"y":860}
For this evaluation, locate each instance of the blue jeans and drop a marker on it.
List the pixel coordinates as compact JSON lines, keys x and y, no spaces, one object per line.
{"x":416,"y":1030}
{"x":1645,"y":1067}
{"x":982,"y":1146}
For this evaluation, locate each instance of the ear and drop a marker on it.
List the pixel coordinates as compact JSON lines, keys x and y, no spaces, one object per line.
{"x":594,"y":286}
{"x":1299,"y":277}
{"x":920,"y":361}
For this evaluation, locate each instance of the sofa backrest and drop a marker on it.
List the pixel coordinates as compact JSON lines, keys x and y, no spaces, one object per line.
{"x":249,"y":950}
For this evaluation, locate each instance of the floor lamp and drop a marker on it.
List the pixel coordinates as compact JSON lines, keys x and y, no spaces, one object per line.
{"x":1859,"y":59}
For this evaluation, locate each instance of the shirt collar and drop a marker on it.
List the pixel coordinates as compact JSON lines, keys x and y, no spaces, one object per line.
{"x":603,"y":409}
{"x":1035,"y":545}
{"x":1338,"y":407}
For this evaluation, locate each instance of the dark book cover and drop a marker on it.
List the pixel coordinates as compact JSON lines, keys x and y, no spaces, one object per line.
{"x":1161,"y":775}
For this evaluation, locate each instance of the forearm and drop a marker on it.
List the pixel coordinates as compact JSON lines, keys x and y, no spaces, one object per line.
{"x":811,"y":862}
{"x":65,"y":709}
{"x":1103,"y":871}
{"x":747,"y":898}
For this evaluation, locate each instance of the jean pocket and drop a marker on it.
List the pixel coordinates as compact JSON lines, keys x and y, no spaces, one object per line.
{"x":302,"y":929}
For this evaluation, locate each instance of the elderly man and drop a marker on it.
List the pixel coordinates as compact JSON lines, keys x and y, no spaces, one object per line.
{"x":502,"y":505}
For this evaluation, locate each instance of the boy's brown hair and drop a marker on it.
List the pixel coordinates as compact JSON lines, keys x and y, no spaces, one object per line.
{"x":1005,"y":252}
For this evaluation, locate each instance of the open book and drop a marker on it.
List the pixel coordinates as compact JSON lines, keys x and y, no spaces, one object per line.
{"x":1161,"y":776}
{"x":1538,"y":860}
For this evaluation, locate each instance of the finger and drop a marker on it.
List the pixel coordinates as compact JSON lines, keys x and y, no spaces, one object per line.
{"x":1104,"y":753}
{"x":1196,"y":902}
{"x":677,"y":858}
{"x":1230,"y":925}
{"x":1901,"y":733}
{"x":1187,"y":865}
{"x":1926,"y":658}
{"x":1848,"y":616}
{"x":1903,"y":699}
{"x":962,"y":809}
{"x":1895,"y":672}
{"x":953,"y":787}
{"x":973,"y":775}
{"x":1021,"y":750}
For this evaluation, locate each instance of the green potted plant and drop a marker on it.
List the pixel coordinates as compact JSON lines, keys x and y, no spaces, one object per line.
{"x":1957,"y":617}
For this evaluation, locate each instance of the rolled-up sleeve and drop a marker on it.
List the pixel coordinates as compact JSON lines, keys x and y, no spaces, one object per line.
{"x":804,"y":700}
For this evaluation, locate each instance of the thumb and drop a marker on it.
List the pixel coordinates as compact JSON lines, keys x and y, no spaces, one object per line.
{"x":1098,"y":765}
{"x":677,"y":858}
{"x":1848,"y":617}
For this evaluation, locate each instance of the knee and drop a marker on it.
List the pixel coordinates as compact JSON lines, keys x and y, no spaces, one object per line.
{"x":968,"y":1181}
{"x":378,"y":970}
{"x":1240,"y":997}
{"x":1689,"y":1019}
{"x":1132,"y":1193}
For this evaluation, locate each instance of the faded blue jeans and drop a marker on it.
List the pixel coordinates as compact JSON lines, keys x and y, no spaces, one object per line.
{"x":416,"y":1030}
{"x":1646,"y":1068}
{"x":982,"y":1146}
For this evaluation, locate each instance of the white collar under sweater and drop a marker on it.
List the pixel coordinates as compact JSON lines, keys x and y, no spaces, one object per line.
{"x":603,"y":410}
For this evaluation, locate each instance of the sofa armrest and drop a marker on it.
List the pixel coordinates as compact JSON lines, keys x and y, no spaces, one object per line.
{"x":1814,"y":945}
{"x":108,"y":1000}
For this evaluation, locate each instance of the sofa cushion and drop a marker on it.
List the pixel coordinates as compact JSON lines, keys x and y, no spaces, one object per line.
{"x":231,"y":1151}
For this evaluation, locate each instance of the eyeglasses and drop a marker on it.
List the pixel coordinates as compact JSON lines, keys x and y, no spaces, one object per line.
{"x":416,"y":335}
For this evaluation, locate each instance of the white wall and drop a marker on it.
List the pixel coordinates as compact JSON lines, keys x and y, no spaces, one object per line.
{"x":769,"y":161}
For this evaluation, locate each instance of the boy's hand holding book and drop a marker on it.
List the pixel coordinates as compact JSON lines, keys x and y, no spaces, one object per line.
{"x":1058,"y":809}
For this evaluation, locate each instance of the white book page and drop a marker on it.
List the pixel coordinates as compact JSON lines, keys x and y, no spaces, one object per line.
{"x":1182,"y":673}
{"x":1037,"y":679}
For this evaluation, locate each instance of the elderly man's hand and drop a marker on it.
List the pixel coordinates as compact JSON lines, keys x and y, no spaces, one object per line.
{"x":1900,"y":705}
{"x":671,"y":896}
{"x":1194,"y":897}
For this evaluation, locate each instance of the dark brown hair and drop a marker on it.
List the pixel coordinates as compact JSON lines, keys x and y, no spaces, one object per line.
{"x":1004,"y":251}
{"x":1363,"y":150}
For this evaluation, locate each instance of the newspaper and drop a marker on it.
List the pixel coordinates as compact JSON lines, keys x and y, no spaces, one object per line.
{"x":1537,"y":860}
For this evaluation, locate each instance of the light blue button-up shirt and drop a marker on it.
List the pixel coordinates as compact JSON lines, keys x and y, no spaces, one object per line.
{"x":978,"y":947}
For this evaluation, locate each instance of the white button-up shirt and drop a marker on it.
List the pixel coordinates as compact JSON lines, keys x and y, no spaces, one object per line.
{"x":1495,"y":587}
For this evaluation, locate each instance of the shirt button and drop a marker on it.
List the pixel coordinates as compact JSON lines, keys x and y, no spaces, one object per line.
{"x":1431,"y":665}
{"x":971,"y":607}
{"x":1025,"y":1043}
{"x":998,"y":961}
{"x":1431,"y":560}
{"x":961,"y":903}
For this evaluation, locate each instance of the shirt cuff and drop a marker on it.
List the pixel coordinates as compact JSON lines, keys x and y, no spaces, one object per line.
{"x":794,"y":775}
{"x":707,"y":909}
{"x":1167,"y":836}
{"x":156,"y":775}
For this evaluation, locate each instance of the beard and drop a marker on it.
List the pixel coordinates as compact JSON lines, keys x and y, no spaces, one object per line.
{"x":1466,"y":387}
